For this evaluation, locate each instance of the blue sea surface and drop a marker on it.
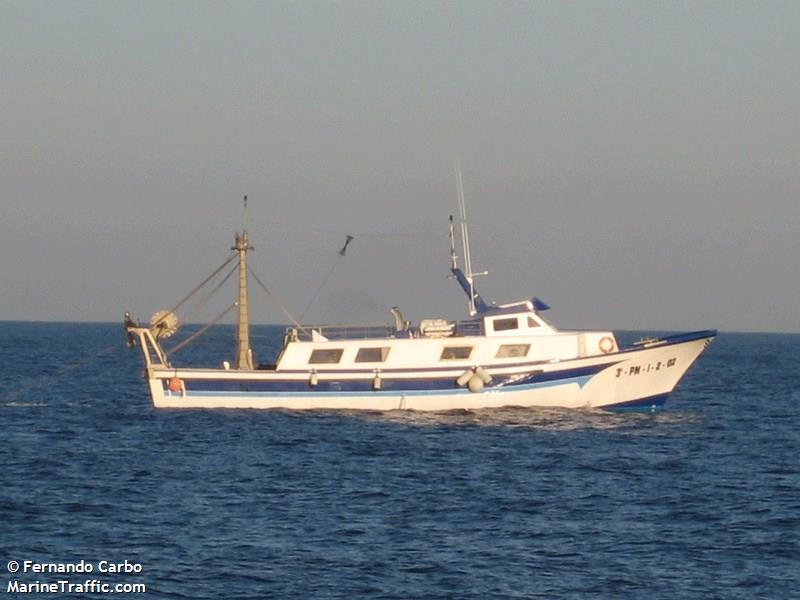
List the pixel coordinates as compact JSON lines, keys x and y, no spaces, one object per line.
{"x":701,"y":500}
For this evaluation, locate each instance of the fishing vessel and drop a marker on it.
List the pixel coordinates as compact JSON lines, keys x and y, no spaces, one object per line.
{"x":500,"y":355}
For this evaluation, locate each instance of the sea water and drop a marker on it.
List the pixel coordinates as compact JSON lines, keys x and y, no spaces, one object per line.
{"x":701,"y":500}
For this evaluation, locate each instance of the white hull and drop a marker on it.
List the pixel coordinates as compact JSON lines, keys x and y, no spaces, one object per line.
{"x":638,"y":378}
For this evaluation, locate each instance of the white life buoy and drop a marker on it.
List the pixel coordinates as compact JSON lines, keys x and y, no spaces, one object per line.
{"x":606,"y":344}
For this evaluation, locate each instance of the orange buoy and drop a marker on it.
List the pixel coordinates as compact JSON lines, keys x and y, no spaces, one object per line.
{"x":175,"y":385}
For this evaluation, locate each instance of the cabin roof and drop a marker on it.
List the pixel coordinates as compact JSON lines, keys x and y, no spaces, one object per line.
{"x":534,"y":304}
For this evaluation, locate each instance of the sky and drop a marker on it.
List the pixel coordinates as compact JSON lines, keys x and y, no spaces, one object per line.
{"x":634,"y":164}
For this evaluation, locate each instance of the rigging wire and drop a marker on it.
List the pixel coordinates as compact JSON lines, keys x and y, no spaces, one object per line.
{"x":321,"y":285}
{"x":360,"y":234}
{"x":276,"y":301}
{"x":194,"y":291}
{"x":197,"y":334}
{"x":60,"y":372}
{"x":203,"y":301}
{"x":342,"y":254}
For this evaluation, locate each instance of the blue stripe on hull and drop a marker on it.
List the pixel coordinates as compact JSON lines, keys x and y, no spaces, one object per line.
{"x":650,"y":403}
{"x":509,"y":382}
{"x":415,"y":391}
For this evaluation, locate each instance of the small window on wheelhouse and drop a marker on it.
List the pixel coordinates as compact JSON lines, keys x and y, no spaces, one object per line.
{"x":532,"y":322}
{"x":372,"y":354}
{"x":505,"y":324}
{"x":326,"y":357}
{"x":512,"y":350}
{"x":456,"y":352}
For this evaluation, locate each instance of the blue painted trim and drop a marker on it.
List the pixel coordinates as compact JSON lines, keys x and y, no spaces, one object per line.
{"x":470,"y":291}
{"x":516,"y":308}
{"x":507,"y":381}
{"x":522,"y":366}
{"x":650,"y":403}
{"x":316,"y":391}
{"x":678,"y":338}
{"x":690,"y":336}
{"x":539,"y":304}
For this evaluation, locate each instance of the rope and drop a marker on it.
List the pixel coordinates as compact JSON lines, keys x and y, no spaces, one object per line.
{"x":194,"y":291}
{"x":60,"y":372}
{"x":197,"y":334}
{"x":321,"y":285}
{"x":342,"y":253}
{"x":359,"y":234}
{"x":203,"y":301}
{"x":277,"y":302}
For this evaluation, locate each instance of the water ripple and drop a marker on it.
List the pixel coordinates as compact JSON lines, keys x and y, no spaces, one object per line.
{"x":698,"y":501}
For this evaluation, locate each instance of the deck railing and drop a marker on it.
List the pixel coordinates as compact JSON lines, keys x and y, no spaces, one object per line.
{"x":308,"y":333}
{"x":339,"y":332}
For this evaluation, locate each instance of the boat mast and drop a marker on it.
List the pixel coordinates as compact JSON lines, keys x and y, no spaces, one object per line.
{"x":244,"y":355}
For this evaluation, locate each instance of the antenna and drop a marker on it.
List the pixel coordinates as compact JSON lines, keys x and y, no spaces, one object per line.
{"x":462,"y":208}
{"x":244,"y":214}
{"x":453,"y":257}
{"x":465,"y":278}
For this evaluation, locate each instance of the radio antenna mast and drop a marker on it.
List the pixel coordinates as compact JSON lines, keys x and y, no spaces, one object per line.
{"x":469,"y":275}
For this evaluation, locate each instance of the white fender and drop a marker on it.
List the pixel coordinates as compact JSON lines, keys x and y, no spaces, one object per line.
{"x":475,"y":384}
{"x":464,"y":378}
{"x":484,"y":375}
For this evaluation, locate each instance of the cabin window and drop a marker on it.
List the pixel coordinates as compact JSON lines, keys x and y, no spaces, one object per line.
{"x":512,"y":350}
{"x":372,"y":354}
{"x":505,"y":324}
{"x":326,"y":357}
{"x":456,"y":352}
{"x":532,"y":322}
